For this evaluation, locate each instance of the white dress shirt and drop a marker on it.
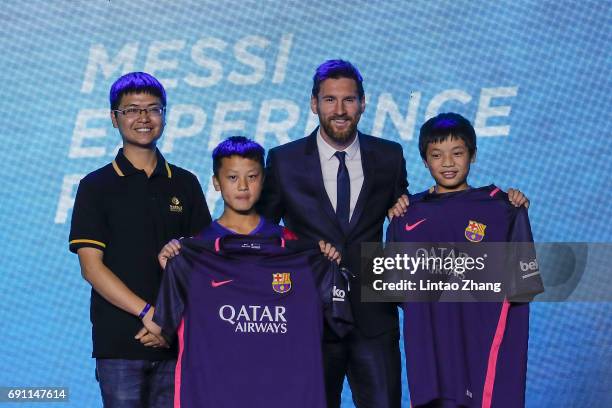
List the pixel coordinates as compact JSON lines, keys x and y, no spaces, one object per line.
{"x":329,"y":168}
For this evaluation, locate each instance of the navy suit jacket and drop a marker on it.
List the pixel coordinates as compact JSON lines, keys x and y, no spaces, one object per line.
{"x":294,"y":192}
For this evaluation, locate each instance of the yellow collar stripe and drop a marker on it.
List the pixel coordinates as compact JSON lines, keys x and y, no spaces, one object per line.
{"x":168,"y":170}
{"x":117,"y":169}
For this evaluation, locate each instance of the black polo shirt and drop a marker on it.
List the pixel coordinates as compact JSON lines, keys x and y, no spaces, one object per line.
{"x":130,"y":216}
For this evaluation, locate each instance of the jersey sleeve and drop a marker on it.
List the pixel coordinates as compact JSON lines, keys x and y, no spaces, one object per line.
{"x":526,"y":280}
{"x":172,"y":295}
{"x":395,"y":244}
{"x":332,"y":284}
{"x":88,"y":227}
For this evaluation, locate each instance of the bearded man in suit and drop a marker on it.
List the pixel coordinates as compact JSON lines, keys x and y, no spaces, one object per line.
{"x":337,"y":185}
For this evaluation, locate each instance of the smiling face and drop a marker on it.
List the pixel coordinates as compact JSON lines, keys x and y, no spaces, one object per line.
{"x":144,"y":130}
{"x":339,"y":108}
{"x":240,"y":181}
{"x":449,"y":162}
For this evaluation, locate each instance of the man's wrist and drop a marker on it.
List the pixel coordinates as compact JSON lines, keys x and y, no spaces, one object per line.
{"x":144,"y":311}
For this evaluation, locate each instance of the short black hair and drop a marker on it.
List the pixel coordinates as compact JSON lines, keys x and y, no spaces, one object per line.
{"x":136,"y":82}
{"x":445,"y":125}
{"x":336,"y":69}
{"x":237,"y":146}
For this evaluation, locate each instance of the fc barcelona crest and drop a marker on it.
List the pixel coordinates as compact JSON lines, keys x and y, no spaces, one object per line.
{"x":281,"y":282}
{"x":475,"y":231}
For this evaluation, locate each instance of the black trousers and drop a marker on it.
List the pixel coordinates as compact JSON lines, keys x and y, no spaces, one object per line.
{"x":373,"y":368}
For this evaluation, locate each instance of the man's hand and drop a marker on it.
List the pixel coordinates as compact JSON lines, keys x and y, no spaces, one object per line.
{"x":170,"y":250}
{"x":149,"y":324}
{"x":400,"y":207}
{"x":517,"y":198}
{"x":330,"y":251}
{"x":149,"y":339}
{"x":150,"y":335}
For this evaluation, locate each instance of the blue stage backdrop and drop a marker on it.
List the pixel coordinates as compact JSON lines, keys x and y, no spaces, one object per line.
{"x":533,"y":76}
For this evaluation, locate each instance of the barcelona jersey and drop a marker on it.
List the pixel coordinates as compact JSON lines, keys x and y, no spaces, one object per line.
{"x":471,"y":354}
{"x":249,"y":313}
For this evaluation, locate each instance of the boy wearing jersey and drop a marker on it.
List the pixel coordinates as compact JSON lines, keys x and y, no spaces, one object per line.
{"x":248,"y":309}
{"x":471,"y":354}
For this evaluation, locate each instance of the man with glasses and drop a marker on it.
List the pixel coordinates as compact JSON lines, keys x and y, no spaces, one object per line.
{"x":124,"y":213}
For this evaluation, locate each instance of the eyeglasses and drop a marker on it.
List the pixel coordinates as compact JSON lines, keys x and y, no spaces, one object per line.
{"x":133,"y":113}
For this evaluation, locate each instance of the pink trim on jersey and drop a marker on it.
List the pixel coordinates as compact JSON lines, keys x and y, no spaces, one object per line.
{"x":492,"y":193}
{"x":177,"y":370}
{"x":282,"y":242}
{"x":487,"y":393}
{"x":217,"y":244}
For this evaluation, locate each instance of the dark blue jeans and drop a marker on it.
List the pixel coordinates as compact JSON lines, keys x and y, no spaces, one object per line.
{"x":136,"y":383}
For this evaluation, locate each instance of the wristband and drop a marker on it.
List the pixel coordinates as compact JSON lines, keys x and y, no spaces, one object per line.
{"x":145,"y":310}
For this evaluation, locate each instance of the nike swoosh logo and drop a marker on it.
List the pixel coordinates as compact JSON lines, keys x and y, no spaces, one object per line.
{"x":410,"y":227}
{"x":216,"y":284}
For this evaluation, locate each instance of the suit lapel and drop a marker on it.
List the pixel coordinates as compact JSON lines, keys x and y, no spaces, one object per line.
{"x":312,"y":167}
{"x":367,"y":161}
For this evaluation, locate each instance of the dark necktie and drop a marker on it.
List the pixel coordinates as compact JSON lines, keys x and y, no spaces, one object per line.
{"x":343,"y":204}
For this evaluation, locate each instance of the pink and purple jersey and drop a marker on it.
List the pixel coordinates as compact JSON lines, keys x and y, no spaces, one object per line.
{"x":249,"y":313}
{"x":471,"y":354}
